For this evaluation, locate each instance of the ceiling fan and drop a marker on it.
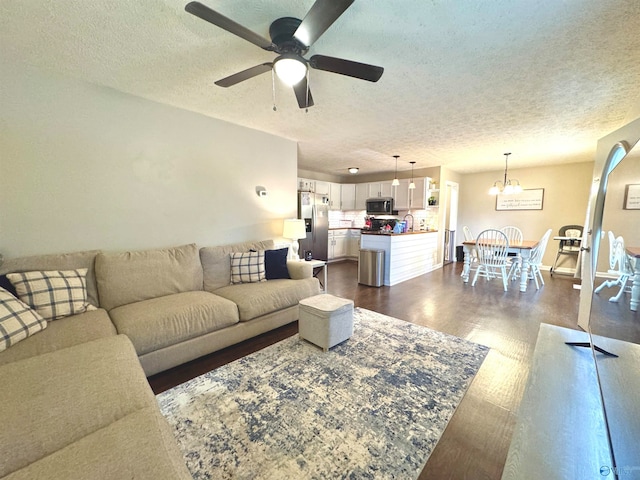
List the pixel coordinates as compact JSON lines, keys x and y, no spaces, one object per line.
{"x":291,"y":39}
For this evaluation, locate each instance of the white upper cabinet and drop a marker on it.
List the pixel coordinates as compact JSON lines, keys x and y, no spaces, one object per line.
{"x":362,"y":193}
{"x":418,"y":196}
{"x":401,"y":195}
{"x":306,"y":185}
{"x":386,"y":189}
{"x":322,"y":188}
{"x":348,"y":196}
{"x":380,"y":189}
{"x":334,"y":196}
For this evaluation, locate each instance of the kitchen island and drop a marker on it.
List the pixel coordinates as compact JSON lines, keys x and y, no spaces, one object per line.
{"x":406,"y":255}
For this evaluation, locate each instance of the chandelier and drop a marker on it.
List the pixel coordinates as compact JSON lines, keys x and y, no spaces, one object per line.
{"x":508,"y":185}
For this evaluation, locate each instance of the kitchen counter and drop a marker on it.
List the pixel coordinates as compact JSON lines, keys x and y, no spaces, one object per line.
{"x":365,"y":232}
{"x":406,"y":255}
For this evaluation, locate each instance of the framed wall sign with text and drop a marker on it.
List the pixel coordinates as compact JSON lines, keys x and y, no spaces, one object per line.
{"x":632,"y":197}
{"x":530,"y":199}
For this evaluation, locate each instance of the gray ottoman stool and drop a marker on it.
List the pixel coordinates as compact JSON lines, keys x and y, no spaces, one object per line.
{"x":325,"y":320}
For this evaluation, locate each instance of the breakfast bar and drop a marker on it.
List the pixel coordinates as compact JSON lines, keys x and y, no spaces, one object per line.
{"x":406,"y":255}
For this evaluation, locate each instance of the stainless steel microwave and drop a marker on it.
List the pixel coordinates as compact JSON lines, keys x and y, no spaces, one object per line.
{"x":380,"y":206}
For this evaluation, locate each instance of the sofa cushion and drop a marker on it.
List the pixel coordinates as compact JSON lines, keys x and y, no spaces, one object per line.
{"x":55,"y":293}
{"x":139,"y":446}
{"x":62,"y":333}
{"x":129,"y":277}
{"x":275,"y":264}
{"x":299,"y":270}
{"x":256,"y":299}
{"x":247,"y":267}
{"x":56,"y":399}
{"x":163,"y":321}
{"x":216,"y":262}
{"x":17,"y":320}
{"x":63,"y":261}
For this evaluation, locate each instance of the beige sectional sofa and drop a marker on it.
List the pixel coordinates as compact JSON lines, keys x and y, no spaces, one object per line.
{"x":77,"y":399}
{"x":174,"y":304}
{"x":84,"y":412}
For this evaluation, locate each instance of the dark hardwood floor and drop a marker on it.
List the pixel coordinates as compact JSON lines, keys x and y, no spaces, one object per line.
{"x":477,"y":439}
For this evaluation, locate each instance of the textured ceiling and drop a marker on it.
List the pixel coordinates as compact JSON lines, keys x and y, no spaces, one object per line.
{"x":464,"y":80}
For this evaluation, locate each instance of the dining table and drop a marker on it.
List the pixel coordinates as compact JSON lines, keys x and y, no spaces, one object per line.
{"x":634,"y":259}
{"x":524,"y":248}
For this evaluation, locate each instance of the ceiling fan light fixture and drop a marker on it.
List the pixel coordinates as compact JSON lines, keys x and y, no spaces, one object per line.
{"x":290,"y":68}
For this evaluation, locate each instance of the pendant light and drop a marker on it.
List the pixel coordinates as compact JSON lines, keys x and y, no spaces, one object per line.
{"x":412,"y":185}
{"x":506,"y":186}
{"x":396,"y":182}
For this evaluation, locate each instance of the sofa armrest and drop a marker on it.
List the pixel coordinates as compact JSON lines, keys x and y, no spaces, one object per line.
{"x":299,"y":270}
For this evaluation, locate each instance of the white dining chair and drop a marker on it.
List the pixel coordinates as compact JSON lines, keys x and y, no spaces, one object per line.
{"x":536,"y":260}
{"x":618,"y":265}
{"x":492,"y":247}
{"x":473,"y":257}
{"x":514,"y":234}
{"x":468,"y":236}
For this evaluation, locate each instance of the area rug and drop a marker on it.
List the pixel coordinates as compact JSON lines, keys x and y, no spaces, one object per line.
{"x":372,"y":407}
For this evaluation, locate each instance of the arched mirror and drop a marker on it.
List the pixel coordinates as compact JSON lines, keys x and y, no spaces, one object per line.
{"x":606,"y":303}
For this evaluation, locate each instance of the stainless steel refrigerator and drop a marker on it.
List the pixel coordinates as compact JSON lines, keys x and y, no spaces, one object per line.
{"x":314,"y":209}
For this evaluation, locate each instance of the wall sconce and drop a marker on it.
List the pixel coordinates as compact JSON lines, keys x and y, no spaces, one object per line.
{"x":261,"y":191}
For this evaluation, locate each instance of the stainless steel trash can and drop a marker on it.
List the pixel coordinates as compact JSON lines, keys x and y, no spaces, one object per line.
{"x":371,"y":268}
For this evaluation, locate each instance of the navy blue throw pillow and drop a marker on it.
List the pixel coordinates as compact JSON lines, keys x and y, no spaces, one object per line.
{"x":8,"y":286}
{"x":275,"y":263}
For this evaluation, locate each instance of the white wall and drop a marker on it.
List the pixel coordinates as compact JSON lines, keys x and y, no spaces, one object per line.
{"x":566,"y":195}
{"x":85,"y":167}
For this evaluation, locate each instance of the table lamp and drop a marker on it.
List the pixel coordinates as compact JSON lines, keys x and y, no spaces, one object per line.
{"x":294,"y":229}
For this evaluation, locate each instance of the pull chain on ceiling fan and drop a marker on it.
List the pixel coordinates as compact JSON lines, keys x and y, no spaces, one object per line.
{"x":291,"y":39}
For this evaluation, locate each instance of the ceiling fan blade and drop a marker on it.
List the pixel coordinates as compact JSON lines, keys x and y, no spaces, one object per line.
{"x":350,"y":68}
{"x":321,"y":16}
{"x":301,"y":92}
{"x":211,"y":16}
{"x":244,"y":75}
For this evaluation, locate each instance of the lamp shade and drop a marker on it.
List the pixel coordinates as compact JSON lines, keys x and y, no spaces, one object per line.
{"x":294,"y":229}
{"x":290,"y":68}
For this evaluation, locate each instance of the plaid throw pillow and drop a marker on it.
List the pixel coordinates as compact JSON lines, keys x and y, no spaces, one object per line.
{"x":247,"y":267}
{"x":53,"y":294}
{"x":17,"y":320}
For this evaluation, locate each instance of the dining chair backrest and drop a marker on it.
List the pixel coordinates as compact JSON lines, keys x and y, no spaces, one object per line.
{"x":514,"y":234}
{"x":538,"y":251}
{"x":468,"y":236}
{"x":492,"y":247}
{"x":618,"y":260}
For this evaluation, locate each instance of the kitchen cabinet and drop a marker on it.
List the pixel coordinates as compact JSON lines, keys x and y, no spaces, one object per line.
{"x":306,"y":185}
{"x":322,"y":188}
{"x":418,"y":197}
{"x":353,"y":243}
{"x":337,"y":243}
{"x":362,"y":193}
{"x":380,"y":189}
{"x":401,"y":195}
{"x":348,"y":196}
{"x":334,"y":196}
